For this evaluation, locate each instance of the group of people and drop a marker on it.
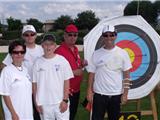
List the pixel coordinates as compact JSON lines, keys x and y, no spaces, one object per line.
{"x":47,"y":78}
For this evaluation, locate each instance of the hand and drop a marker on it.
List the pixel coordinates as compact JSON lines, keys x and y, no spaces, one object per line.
{"x":84,"y":63}
{"x":39,"y":109}
{"x":71,"y":91}
{"x":124,"y":98}
{"x":63,"y":106}
{"x":15,"y":117}
{"x":78,"y":72}
{"x":90,"y":95}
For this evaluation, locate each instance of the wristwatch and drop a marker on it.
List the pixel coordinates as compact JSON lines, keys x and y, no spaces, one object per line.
{"x":65,"y":100}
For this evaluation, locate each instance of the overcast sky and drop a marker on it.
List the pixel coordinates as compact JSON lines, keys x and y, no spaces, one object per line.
{"x":51,"y":9}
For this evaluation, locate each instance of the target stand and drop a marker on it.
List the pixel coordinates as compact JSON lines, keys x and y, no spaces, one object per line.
{"x":153,"y":109}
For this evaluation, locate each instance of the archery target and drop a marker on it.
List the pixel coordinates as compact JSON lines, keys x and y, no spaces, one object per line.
{"x":141,"y":42}
{"x":141,"y":50}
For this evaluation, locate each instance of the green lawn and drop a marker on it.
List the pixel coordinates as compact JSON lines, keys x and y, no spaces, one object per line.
{"x":82,"y":114}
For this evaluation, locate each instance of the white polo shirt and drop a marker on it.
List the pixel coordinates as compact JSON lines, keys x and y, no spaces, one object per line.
{"x":17,"y":85}
{"x":50,"y":74}
{"x":108,"y":66}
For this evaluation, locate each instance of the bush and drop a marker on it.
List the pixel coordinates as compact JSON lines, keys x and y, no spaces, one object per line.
{"x":9,"y":35}
{"x":81,"y":35}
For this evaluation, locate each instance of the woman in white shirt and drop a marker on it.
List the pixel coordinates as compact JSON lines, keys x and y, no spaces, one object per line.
{"x":16,"y":87}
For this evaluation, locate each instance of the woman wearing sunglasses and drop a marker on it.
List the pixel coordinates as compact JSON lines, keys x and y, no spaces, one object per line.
{"x":15,"y":86}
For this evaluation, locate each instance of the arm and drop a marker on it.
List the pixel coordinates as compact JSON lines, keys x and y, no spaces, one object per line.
{"x":64,"y":103}
{"x":8,"y":103}
{"x":126,"y":75}
{"x":66,"y":89}
{"x":90,"y":87}
{"x":34,"y":89}
{"x":2,"y":65}
{"x":78,"y":72}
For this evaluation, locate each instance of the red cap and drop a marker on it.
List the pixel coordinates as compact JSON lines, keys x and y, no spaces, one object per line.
{"x":71,"y":28}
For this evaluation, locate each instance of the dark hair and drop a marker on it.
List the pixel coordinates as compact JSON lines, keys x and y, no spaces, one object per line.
{"x":49,"y":37}
{"x":14,"y":44}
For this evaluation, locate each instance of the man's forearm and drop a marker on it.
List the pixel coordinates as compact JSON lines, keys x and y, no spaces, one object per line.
{"x":66,"y":89}
{"x":90,"y":81}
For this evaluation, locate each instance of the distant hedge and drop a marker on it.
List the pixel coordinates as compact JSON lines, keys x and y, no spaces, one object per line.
{"x":9,"y":36}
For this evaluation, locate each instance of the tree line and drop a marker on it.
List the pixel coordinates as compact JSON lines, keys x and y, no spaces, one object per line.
{"x":85,"y":20}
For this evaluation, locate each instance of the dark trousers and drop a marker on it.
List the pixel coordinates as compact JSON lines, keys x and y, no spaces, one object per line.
{"x":74,"y":100}
{"x":103,"y":104}
{"x":36,"y":115}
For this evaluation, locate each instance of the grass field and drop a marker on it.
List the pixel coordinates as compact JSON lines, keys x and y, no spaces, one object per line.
{"x":82,"y":114}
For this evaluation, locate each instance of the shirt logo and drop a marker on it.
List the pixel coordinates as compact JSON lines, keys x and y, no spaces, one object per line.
{"x":57,"y":67}
{"x":16,"y":80}
{"x":40,"y":70}
{"x":99,"y":62}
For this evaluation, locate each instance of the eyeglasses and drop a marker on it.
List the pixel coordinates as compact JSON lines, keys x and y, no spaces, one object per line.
{"x":31,"y":35}
{"x":109,"y":35}
{"x":18,"y":52}
{"x":74,"y":35}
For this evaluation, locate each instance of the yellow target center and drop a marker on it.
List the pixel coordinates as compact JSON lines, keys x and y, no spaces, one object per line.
{"x":131,"y":54}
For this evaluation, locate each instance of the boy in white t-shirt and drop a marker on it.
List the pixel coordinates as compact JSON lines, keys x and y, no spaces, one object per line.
{"x":51,"y":74}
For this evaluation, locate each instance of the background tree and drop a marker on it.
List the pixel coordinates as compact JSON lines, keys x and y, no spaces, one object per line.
{"x":86,"y":20}
{"x":36,"y":23}
{"x":1,"y":27}
{"x":14,"y":24}
{"x":62,"y":21}
{"x":146,"y":10}
{"x":156,"y":6}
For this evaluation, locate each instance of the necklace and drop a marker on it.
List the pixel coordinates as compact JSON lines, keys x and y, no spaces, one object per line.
{"x":19,"y":68}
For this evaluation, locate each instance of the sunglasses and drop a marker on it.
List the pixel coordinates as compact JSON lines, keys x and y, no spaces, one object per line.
{"x":74,"y":35}
{"x":18,"y":52}
{"x":109,"y":35}
{"x":31,"y":35}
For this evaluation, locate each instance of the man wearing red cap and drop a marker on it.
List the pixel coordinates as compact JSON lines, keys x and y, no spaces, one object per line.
{"x":70,"y":52}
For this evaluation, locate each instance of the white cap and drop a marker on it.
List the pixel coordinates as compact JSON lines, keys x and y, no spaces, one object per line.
{"x":108,"y":28}
{"x":28,"y":28}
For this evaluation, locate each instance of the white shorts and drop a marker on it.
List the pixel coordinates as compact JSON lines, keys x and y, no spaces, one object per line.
{"x":52,"y":112}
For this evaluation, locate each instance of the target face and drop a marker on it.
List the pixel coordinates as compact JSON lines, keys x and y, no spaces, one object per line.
{"x":141,"y":50}
{"x":137,"y":40}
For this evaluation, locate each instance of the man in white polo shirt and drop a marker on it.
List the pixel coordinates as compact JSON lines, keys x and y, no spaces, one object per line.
{"x":33,"y":51}
{"x":108,"y":77}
